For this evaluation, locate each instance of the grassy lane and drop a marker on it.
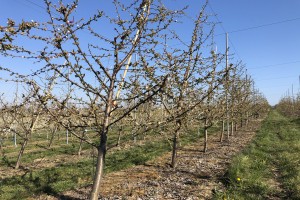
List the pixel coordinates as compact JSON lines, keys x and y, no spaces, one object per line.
{"x":37,"y":147}
{"x":270,"y":167}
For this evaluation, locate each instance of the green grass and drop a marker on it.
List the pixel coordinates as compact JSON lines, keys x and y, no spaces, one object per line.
{"x":275,"y":150}
{"x":49,"y":181}
{"x":38,"y":144}
{"x":29,"y":157}
{"x":71,"y":175}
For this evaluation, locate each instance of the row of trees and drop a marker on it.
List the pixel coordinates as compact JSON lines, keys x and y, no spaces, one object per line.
{"x":289,"y":105}
{"x":165,"y":87}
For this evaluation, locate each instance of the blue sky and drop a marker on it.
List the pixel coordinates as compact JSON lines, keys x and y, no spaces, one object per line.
{"x":271,"y":53}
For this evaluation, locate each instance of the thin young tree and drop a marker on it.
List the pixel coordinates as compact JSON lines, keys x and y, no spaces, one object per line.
{"x":25,"y":113}
{"x":187,"y":84}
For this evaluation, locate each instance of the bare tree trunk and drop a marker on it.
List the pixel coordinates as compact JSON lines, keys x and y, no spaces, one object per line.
{"x":102,"y":146}
{"x":119,"y":137}
{"x":58,"y":136}
{"x":247,"y":119}
{"x":144,"y":134}
{"x":99,"y":168}
{"x":1,"y":141}
{"x":26,"y":138}
{"x":21,"y":153}
{"x":232,"y":127}
{"x":80,"y":144}
{"x":133,"y":137}
{"x":235,"y":127}
{"x":53,"y":132}
{"x":222,"y":132}
{"x":174,"y":150}
{"x":205,"y":135}
{"x":205,"y":140}
{"x":242,"y":122}
{"x":15,"y":139}
{"x":228,"y":130}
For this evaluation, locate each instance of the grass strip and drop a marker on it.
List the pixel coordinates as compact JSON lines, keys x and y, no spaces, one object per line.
{"x":269,"y":167}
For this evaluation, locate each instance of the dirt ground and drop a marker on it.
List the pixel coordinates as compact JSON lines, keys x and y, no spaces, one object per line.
{"x":197,"y":175}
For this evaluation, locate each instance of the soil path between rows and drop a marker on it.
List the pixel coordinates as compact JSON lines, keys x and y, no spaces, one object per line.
{"x":196,"y":176}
